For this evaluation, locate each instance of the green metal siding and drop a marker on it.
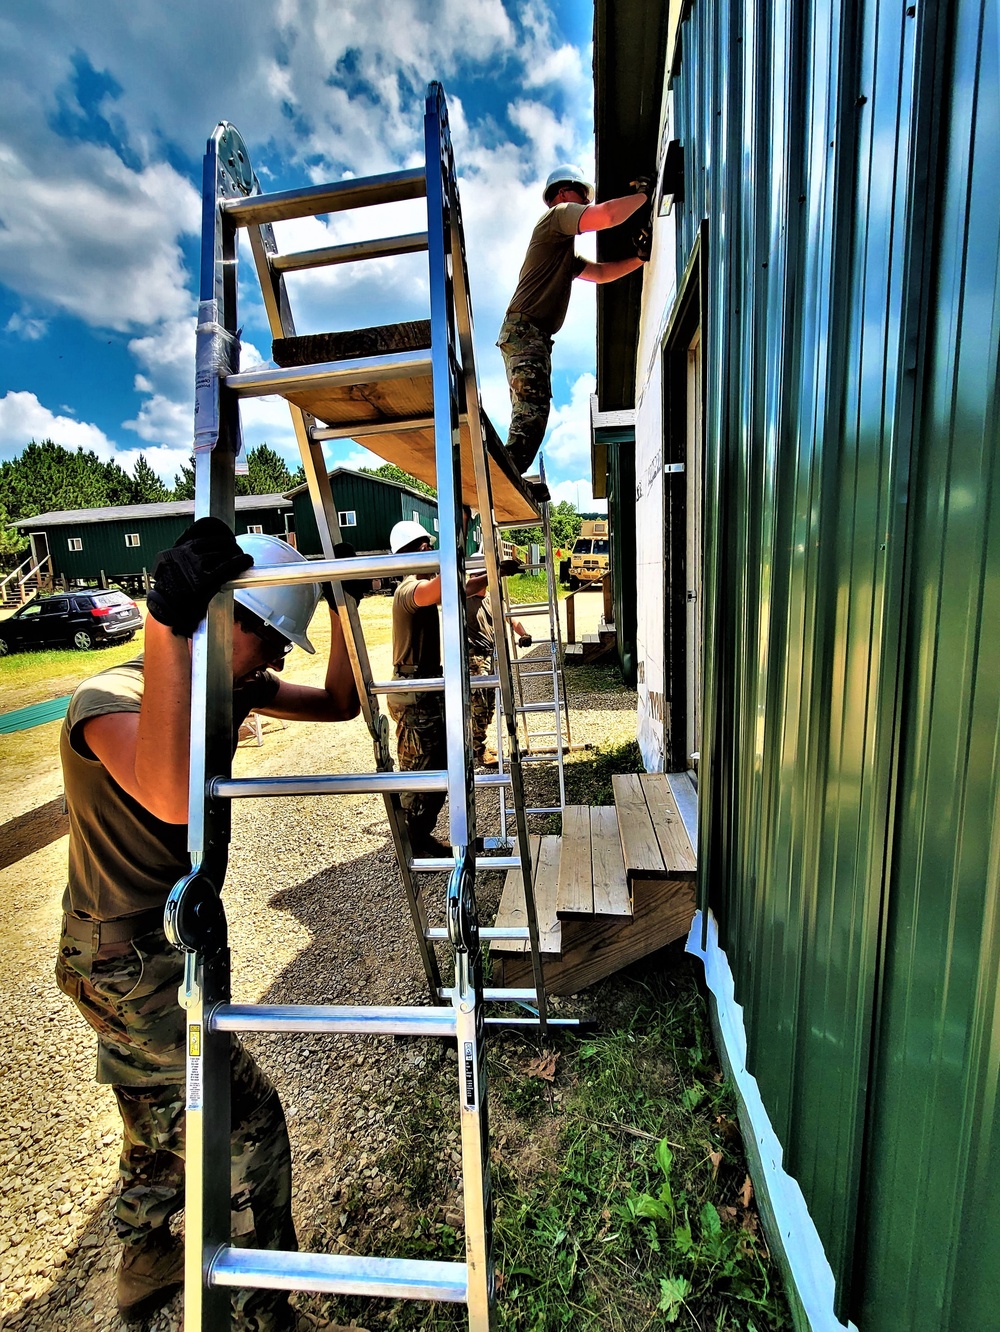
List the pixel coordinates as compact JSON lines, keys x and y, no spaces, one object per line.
{"x":377,"y":505}
{"x":104,"y":549}
{"x":849,"y":840}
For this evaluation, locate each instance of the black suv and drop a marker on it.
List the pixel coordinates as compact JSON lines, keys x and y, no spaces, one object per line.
{"x":81,"y":618}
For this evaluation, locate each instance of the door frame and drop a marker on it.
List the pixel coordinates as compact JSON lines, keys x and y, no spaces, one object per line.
{"x":682,"y":659}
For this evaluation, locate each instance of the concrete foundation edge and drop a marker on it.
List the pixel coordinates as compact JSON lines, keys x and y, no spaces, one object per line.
{"x":790,"y":1231}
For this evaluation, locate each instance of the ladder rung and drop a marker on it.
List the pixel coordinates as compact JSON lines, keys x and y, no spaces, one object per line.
{"x":539,"y":758}
{"x":347,"y":254}
{"x":397,"y":1021}
{"x":493,"y":779}
{"x":518,"y":611}
{"x":357,"y":567}
{"x":545,"y":809}
{"x":358,"y":431}
{"x":537,"y":707}
{"x":532,"y":1022}
{"x":527,"y":675}
{"x":330,"y":374}
{"x":486,"y":932}
{"x":430,"y":683}
{"x":435,"y":864}
{"x":286,"y":204}
{"x":341,"y":1274}
{"x":359,"y":783}
{"x":500,"y":996}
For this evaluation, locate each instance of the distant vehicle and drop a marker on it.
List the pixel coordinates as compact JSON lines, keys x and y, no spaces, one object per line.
{"x":83,"y":619}
{"x":590,"y":559}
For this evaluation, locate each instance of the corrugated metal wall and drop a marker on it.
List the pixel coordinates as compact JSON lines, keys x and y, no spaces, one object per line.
{"x":104,"y":549}
{"x":850,"y":821}
{"x":377,"y":506}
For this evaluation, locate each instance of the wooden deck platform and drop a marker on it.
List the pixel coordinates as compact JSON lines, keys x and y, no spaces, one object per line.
{"x":617,"y":885}
{"x":381,"y":408}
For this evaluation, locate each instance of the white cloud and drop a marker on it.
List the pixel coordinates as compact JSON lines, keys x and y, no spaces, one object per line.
{"x":88,"y":237}
{"x":23,"y":418}
{"x":580,"y":494}
{"x":567,"y":443}
{"x":26,"y":327}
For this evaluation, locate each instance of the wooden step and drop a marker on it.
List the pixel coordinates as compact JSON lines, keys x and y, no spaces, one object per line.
{"x":611,"y":891}
{"x":675,"y":846}
{"x":393,"y":401}
{"x":640,"y":848}
{"x":512,"y":914}
{"x":592,"y":878}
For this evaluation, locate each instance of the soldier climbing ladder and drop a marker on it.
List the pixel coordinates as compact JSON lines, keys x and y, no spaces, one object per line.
{"x":411,"y":392}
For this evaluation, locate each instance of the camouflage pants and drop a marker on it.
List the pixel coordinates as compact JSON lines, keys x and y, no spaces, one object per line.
{"x":421,"y":743}
{"x":527,"y":356}
{"x":128,"y":994}
{"x":484,"y":705}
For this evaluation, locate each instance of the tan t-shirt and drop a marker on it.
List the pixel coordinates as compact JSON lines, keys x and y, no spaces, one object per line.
{"x":416,"y":634}
{"x":122,"y":859}
{"x":551,"y":264}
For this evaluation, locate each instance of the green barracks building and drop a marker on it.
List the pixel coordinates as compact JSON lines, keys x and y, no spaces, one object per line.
{"x":119,"y":544}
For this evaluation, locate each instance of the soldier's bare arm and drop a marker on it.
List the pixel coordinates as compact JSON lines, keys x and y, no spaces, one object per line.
{"x":611,"y":213}
{"x":147,"y":752}
{"x":336,"y":701}
{"x":609,"y":271}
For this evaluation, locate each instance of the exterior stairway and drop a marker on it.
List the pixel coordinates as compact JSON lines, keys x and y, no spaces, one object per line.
{"x":617,"y":885}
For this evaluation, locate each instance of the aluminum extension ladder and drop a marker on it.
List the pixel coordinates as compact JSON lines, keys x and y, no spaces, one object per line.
{"x":544,"y":700}
{"x":195,"y":917}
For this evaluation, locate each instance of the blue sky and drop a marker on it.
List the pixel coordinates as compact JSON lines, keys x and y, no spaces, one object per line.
{"x":103,"y":122}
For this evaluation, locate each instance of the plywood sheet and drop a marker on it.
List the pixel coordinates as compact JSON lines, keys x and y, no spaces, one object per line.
{"x":575,"y":895}
{"x":390,"y":401}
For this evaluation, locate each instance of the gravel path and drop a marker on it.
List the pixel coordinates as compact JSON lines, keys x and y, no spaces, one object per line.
{"x":316,"y":915}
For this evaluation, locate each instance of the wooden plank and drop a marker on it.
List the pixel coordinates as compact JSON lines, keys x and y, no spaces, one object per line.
{"x":640,"y":849}
{"x":575,"y":894}
{"x":393,"y":400}
{"x":314,"y":348}
{"x":512,"y":912}
{"x":595,"y":947}
{"x":611,"y":892}
{"x":675,"y":847}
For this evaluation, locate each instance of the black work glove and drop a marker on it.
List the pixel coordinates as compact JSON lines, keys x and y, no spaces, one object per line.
{"x":508,"y":567}
{"x":356,"y":588}
{"x":189,"y":574}
{"x":643,"y":185}
{"x":524,"y":640}
{"x":644,"y":244}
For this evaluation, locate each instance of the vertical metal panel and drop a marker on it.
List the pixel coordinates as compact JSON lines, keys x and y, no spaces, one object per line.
{"x":621,"y":511}
{"x":933,"y":1241}
{"x":800,"y":151}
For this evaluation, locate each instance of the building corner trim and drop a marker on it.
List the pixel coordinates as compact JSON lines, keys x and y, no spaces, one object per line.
{"x":790,"y":1229}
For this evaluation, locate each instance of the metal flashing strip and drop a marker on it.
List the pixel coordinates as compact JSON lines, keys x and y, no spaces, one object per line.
{"x":790,"y":1229}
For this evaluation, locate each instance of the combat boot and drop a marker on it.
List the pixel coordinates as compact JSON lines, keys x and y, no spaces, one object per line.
{"x":150,"y":1273}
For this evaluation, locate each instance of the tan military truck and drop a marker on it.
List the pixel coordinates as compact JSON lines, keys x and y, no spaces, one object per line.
{"x":590,"y":558}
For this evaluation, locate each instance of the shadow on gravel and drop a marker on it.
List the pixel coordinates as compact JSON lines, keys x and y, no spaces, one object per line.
{"x":20,"y":836}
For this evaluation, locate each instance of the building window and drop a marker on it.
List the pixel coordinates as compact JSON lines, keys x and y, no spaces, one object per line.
{"x":255,"y":527}
{"x":74,"y":543}
{"x":348,"y":518}
{"x":416,"y":516}
{"x":436,"y":528}
{"x":131,"y":538}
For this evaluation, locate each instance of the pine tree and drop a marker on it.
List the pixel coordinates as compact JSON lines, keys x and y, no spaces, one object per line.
{"x":393,"y":473}
{"x":184,"y":482}
{"x":267,"y":473}
{"x":147,"y":488}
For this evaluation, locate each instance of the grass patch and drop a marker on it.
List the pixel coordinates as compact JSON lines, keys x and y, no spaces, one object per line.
{"x":36,"y":677}
{"x":621,"y":1194}
{"x":588,"y":773}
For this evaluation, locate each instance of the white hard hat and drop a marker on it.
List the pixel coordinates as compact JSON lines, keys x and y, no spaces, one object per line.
{"x":567,"y":174}
{"x":405,"y":533}
{"x":286,"y":607}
